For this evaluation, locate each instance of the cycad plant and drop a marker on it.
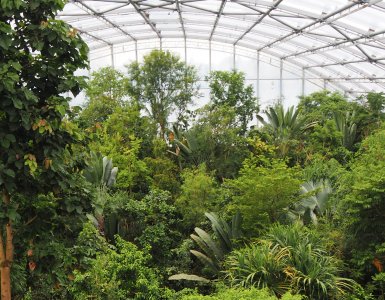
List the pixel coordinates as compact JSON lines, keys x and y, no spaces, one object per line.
{"x":186,"y":147}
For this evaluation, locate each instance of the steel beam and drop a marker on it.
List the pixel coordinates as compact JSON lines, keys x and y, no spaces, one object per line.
{"x":258,"y":77}
{"x":217,"y":18}
{"x":146,"y":18}
{"x":260,"y":19}
{"x":88,"y":9}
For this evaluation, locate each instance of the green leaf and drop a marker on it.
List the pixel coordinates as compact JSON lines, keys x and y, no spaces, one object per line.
{"x":5,"y":42}
{"x":16,"y":65}
{"x":5,"y":143}
{"x":61,"y":109}
{"x":10,"y":137}
{"x":12,"y":214}
{"x":9,"y":173}
{"x":17,"y":103}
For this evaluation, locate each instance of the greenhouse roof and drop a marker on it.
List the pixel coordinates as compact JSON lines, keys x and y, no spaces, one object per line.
{"x":341,"y":41}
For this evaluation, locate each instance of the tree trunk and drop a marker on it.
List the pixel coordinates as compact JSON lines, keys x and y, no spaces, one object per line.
{"x":6,"y":255}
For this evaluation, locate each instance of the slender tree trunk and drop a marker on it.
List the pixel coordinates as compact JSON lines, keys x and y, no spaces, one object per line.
{"x":6,"y":255}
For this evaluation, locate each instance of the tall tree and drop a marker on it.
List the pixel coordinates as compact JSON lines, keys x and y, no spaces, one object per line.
{"x":164,"y":84}
{"x":105,"y":92}
{"x":229,"y":88}
{"x":39,"y":56}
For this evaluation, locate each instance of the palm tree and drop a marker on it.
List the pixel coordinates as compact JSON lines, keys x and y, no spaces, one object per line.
{"x":284,"y":126}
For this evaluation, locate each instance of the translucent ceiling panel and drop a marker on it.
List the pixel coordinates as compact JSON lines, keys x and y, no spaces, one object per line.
{"x":291,"y":90}
{"x":268,"y":71}
{"x":221,"y":61}
{"x":312,"y":86}
{"x":366,"y":20}
{"x":247,"y":65}
{"x":269,"y":93}
{"x":336,"y":34}
{"x":316,"y":7}
{"x":370,"y":69}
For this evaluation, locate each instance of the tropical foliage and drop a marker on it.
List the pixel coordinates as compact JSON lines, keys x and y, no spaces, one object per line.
{"x":100,"y":201}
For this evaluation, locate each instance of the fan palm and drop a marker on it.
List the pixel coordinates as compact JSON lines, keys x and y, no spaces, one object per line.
{"x":284,"y":126}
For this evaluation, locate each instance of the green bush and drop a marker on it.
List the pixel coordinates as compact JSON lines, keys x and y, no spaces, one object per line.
{"x":242,"y":294}
{"x":118,"y":275}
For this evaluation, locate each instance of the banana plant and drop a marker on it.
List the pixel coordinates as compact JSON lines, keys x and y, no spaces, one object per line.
{"x":213,"y":250}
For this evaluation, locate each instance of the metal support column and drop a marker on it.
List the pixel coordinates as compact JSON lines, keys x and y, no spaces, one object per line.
{"x":325,"y":84}
{"x":210,"y":56}
{"x":258,"y":86}
{"x":185,"y":50}
{"x":303,"y":82}
{"x":281,"y":81}
{"x":234,"y":65}
{"x":112,"y":56}
{"x":160,"y":44}
{"x":136,"y":51}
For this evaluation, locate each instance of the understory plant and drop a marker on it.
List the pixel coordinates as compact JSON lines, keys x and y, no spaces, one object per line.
{"x":288,"y":258}
{"x":242,"y":294}
{"x":119,"y":275}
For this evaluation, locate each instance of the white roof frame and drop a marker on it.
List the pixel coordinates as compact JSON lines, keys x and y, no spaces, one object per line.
{"x":304,"y":33}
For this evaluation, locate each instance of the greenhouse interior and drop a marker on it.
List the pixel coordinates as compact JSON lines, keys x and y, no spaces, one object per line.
{"x":192,"y":149}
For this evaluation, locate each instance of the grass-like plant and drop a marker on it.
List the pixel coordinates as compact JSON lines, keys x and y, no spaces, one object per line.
{"x":288,"y":258}
{"x":260,"y":265}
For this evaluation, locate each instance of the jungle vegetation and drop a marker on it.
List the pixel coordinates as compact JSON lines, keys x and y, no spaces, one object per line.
{"x":139,"y":194}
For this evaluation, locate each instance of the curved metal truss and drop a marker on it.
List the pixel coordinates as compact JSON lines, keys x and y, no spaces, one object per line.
{"x":339,"y":41}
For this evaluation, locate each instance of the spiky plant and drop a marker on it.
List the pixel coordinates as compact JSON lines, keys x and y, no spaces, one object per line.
{"x":310,"y":269}
{"x":284,"y":126}
{"x":260,"y":265}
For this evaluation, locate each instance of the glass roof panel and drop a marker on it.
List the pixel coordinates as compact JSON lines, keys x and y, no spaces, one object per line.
{"x":329,"y":37}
